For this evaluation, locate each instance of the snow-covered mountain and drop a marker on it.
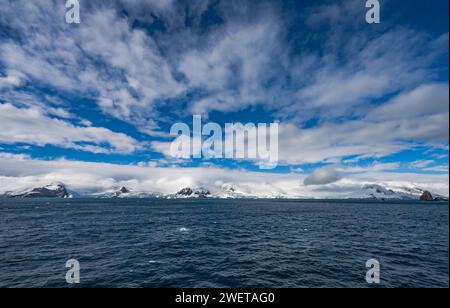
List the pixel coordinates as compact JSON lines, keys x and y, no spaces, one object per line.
{"x":232,"y":191}
{"x":192,"y":193}
{"x":124,"y":192}
{"x":375,"y":191}
{"x":107,"y":180}
{"x":57,"y":190}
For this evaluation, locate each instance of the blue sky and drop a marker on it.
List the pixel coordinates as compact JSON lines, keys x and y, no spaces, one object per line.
{"x":354,"y":96}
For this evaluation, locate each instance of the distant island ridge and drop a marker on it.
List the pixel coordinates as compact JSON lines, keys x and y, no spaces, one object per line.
{"x":371,"y":192}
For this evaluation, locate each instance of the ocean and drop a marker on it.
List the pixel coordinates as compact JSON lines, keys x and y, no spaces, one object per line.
{"x":223,"y":243}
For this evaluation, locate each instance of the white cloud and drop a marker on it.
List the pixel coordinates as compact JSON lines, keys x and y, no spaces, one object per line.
{"x":233,"y":67}
{"x":408,"y":120}
{"x":421,"y":164}
{"x":34,"y":66}
{"x":335,"y":13}
{"x":428,"y":166}
{"x":344,"y":85}
{"x":238,"y":63}
{"x":374,"y":167}
{"x":103,"y":58}
{"x":12,"y":79}
{"x":383,"y":131}
{"x":425,"y":100}
{"x":32,"y":126}
{"x":297,"y":170}
{"x":134,"y":56}
{"x":19,"y":174}
{"x":7,"y":156}
{"x":439,"y":168}
{"x":323,"y":176}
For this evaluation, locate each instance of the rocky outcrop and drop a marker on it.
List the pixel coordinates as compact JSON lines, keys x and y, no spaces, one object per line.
{"x":185,"y":192}
{"x":441,"y":199}
{"x":49,"y":191}
{"x":193,"y":193}
{"x":202,"y":193}
{"x":122,"y":191}
{"x":426,"y":196}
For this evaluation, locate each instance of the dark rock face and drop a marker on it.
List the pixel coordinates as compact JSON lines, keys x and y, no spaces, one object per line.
{"x":51,"y":191}
{"x":202,"y":193}
{"x":426,"y":196}
{"x":124,"y":190}
{"x":185,"y":192}
{"x":190,"y":193}
{"x":441,"y":199}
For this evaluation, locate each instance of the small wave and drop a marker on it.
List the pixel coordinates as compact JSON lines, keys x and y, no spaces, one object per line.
{"x":184,"y":230}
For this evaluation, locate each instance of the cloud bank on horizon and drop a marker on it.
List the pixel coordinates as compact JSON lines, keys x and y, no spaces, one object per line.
{"x":357,"y":103}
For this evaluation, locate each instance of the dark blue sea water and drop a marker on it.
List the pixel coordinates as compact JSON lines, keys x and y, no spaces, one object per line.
{"x":212,"y":243}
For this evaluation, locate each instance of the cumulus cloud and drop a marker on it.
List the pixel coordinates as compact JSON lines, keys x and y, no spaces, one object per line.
{"x":12,"y":79}
{"x":139,"y":63}
{"x":412,"y":118}
{"x":383,"y":131}
{"x":104,"y":58}
{"x":339,"y":90}
{"x":425,"y":100}
{"x":32,"y":126}
{"x":243,"y":61}
{"x":323,"y":176}
{"x":233,"y":67}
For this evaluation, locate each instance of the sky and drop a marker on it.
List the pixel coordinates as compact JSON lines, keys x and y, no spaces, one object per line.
{"x":356,"y":102}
